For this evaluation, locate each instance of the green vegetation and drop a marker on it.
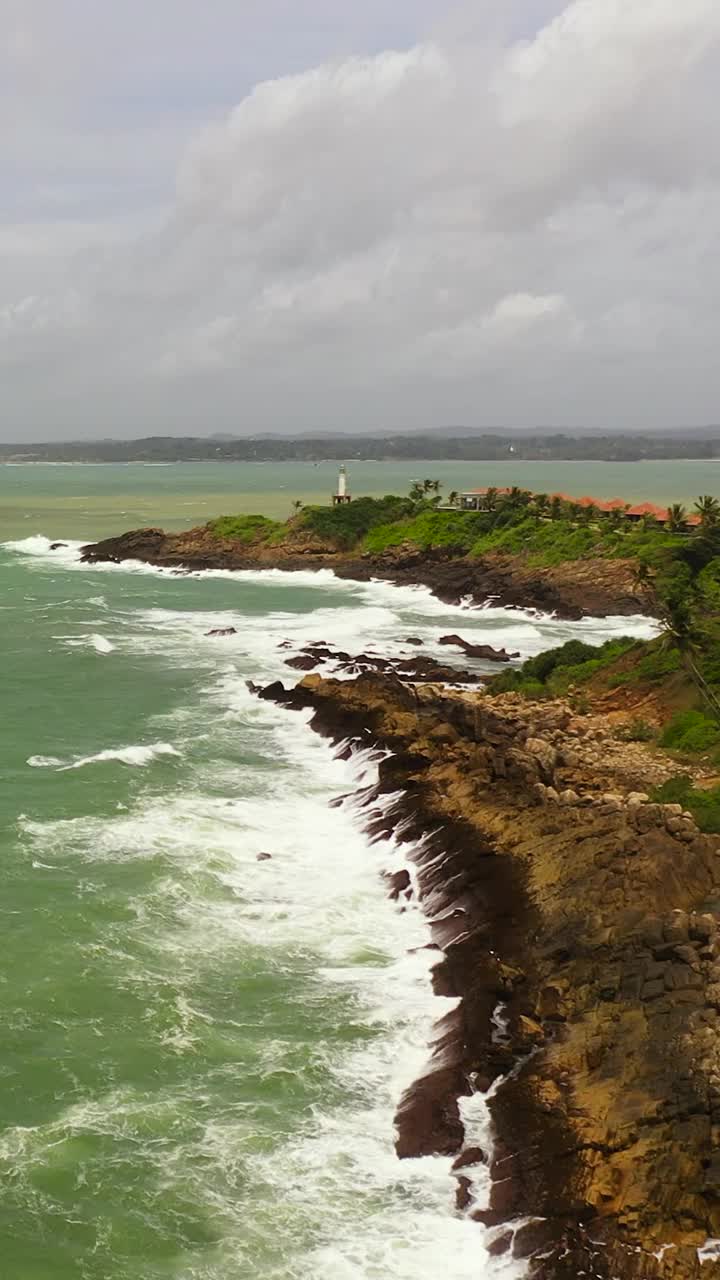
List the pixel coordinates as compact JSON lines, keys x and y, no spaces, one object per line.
{"x":552,"y":673}
{"x":678,"y":567}
{"x":691,"y":732}
{"x":347,"y":523}
{"x":247,"y":529}
{"x":637,"y":730}
{"x":657,"y":663}
{"x":704,"y":805}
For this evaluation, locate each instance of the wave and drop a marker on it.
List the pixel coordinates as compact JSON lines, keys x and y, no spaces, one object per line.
{"x":138,"y":757}
{"x":350,"y":1210}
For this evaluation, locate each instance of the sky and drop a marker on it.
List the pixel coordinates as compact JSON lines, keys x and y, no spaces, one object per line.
{"x":287,"y":215}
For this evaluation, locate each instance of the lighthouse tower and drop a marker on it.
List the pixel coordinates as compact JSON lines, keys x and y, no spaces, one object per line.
{"x":342,"y":494}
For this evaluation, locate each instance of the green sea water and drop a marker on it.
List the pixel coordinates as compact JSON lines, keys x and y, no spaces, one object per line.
{"x":201,"y":1051}
{"x":96,"y":501}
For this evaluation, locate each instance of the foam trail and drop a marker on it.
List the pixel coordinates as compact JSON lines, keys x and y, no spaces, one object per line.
{"x":139,"y":757}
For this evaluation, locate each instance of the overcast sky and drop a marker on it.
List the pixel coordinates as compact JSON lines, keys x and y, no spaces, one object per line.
{"x":253,"y":215}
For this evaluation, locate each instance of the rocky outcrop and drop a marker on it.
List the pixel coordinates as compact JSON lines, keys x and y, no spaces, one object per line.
{"x":579,"y":924}
{"x":417,"y":668}
{"x":484,"y":651}
{"x":574,"y":590}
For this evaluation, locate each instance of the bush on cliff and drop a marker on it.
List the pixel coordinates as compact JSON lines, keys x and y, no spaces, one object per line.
{"x":554,"y":671}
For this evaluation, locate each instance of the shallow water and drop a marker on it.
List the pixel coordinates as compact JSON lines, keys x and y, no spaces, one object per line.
{"x":202,"y":1052}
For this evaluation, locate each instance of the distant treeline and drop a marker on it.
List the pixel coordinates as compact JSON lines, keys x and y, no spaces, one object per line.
{"x":436,"y":446}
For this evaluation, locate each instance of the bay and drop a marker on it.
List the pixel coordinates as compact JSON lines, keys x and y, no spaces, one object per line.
{"x":76,"y":501}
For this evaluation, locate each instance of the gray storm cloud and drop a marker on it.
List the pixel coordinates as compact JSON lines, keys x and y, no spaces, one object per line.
{"x":478,"y":228}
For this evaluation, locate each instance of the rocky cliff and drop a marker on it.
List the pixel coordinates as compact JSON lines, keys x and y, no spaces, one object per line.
{"x":592,"y":587}
{"x":579,"y":925}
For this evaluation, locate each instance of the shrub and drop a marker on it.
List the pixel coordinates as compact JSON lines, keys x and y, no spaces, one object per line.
{"x":691,"y":732}
{"x":346,"y":523}
{"x":636,"y":731}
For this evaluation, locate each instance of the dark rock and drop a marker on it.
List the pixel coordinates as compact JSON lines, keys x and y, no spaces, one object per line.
{"x":413,"y":640}
{"x":484,"y":651}
{"x":264,"y":857}
{"x":303,"y":662}
{"x":398,"y":881}
{"x":56,"y":546}
{"x":470,"y":1156}
{"x":222,"y":631}
{"x":464,"y":1196}
{"x":500,"y":1245}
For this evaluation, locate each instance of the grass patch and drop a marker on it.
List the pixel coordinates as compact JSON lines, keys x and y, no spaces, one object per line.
{"x":247,"y":529}
{"x":656,"y":665}
{"x":455,"y":530}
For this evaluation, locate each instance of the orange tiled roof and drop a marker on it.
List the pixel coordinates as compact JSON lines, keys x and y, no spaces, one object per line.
{"x":649,"y":509}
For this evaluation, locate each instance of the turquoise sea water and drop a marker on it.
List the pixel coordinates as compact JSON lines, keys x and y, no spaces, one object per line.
{"x":202,"y":1052}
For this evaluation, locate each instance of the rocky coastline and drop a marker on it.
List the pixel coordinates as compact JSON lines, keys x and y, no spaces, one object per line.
{"x":578,"y":924}
{"x":588,"y":587}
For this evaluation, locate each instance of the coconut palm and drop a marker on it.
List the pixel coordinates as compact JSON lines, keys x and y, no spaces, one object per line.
{"x":708,"y":509}
{"x":417,"y":492}
{"x":490,"y":500}
{"x":297,"y":505}
{"x":541,"y":503}
{"x":677,"y":518}
{"x":453,"y":497}
{"x":556,"y":508}
{"x":518,"y":497}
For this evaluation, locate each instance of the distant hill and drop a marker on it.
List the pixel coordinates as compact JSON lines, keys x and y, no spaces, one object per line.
{"x":430,"y":446}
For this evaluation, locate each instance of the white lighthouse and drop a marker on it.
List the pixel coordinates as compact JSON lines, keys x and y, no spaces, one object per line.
{"x":342,"y":493}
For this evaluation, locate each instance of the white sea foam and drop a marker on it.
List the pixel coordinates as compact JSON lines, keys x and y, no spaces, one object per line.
{"x":139,"y":756}
{"x":100,"y":643}
{"x":349,"y":1209}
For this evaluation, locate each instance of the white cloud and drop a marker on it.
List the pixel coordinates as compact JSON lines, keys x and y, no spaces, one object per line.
{"x":496,"y":231}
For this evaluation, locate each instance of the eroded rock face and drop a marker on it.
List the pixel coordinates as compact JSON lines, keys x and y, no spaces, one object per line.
{"x":588,"y":914}
{"x":583,"y":587}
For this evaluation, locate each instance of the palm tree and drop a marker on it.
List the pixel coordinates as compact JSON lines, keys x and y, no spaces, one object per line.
{"x":453,"y":497}
{"x":541,"y":502}
{"x":708,"y":509}
{"x":491,"y":499}
{"x":518,"y":497}
{"x":574,"y":510}
{"x":556,"y":508}
{"x":677,"y":518}
{"x":588,"y":513}
{"x":417,"y":491}
{"x":431,"y":486}
{"x":297,"y":505}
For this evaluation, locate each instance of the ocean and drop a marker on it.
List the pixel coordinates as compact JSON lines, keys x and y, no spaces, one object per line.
{"x":75,"y":501}
{"x":202,"y":1051}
